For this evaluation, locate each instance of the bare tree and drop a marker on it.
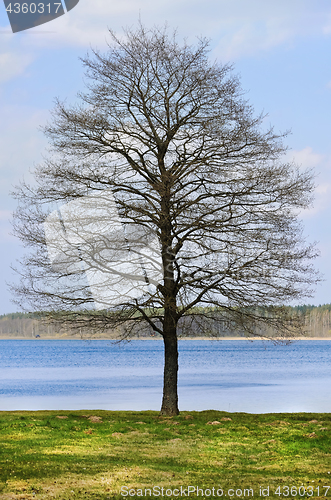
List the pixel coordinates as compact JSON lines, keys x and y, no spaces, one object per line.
{"x":178,"y":172}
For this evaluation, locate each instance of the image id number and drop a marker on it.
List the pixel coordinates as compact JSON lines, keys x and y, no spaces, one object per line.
{"x":32,"y":8}
{"x":310,"y":491}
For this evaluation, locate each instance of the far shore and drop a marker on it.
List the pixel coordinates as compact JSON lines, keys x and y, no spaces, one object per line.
{"x":70,"y":337}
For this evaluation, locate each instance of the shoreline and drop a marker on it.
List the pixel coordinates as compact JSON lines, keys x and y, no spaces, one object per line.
{"x":251,"y":339}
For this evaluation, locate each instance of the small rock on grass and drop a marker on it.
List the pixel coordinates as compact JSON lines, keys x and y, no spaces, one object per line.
{"x":95,"y":419}
{"x":117,"y":434}
{"x":312,"y":435}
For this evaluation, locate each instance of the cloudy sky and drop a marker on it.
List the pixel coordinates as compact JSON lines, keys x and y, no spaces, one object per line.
{"x":281,"y":50}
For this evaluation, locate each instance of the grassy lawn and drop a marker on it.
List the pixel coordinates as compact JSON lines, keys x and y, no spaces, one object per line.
{"x":93,"y":454}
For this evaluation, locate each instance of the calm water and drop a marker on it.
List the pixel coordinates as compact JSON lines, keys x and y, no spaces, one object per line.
{"x":255,"y":377}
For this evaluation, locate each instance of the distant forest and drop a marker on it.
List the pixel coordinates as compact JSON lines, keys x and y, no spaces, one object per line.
{"x":22,"y":325}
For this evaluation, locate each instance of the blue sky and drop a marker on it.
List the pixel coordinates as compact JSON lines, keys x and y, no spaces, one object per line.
{"x":281,"y":50}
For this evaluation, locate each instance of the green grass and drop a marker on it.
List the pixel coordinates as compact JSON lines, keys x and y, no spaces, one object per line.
{"x":78,"y":457}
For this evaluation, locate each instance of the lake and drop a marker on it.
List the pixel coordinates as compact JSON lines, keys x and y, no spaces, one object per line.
{"x":228,"y":375}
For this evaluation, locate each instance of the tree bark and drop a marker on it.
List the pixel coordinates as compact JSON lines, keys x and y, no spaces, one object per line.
{"x":170,"y":377}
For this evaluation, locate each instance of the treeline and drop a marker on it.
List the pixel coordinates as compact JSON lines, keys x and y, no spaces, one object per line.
{"x":25,"y":325}
{"x":22,"y":325}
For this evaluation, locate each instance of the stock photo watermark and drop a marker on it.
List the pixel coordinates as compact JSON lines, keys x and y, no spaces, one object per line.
{"x":196,"y":491}
{"x":121,"y":262}
{"x":26,"y":14}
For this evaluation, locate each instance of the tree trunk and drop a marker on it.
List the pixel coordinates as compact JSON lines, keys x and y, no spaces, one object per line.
{"x":170,"y":395}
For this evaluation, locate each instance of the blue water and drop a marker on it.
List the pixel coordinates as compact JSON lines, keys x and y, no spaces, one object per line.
{"x":254,"y":377}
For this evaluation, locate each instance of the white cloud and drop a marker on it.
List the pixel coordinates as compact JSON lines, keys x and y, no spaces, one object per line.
{"x":327,"y":25}
{"x":307,"y":158}
{"x":21,"y":146}
{"x":237,"y":28}
{"x":13,"y":64}
{"x":253,"y":27}
{"x":5,"y":226}
{"x":247,"y":40}
{"x":5,"y":215}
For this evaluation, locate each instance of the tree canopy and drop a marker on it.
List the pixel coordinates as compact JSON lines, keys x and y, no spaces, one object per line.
{"x":164,"y":169}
